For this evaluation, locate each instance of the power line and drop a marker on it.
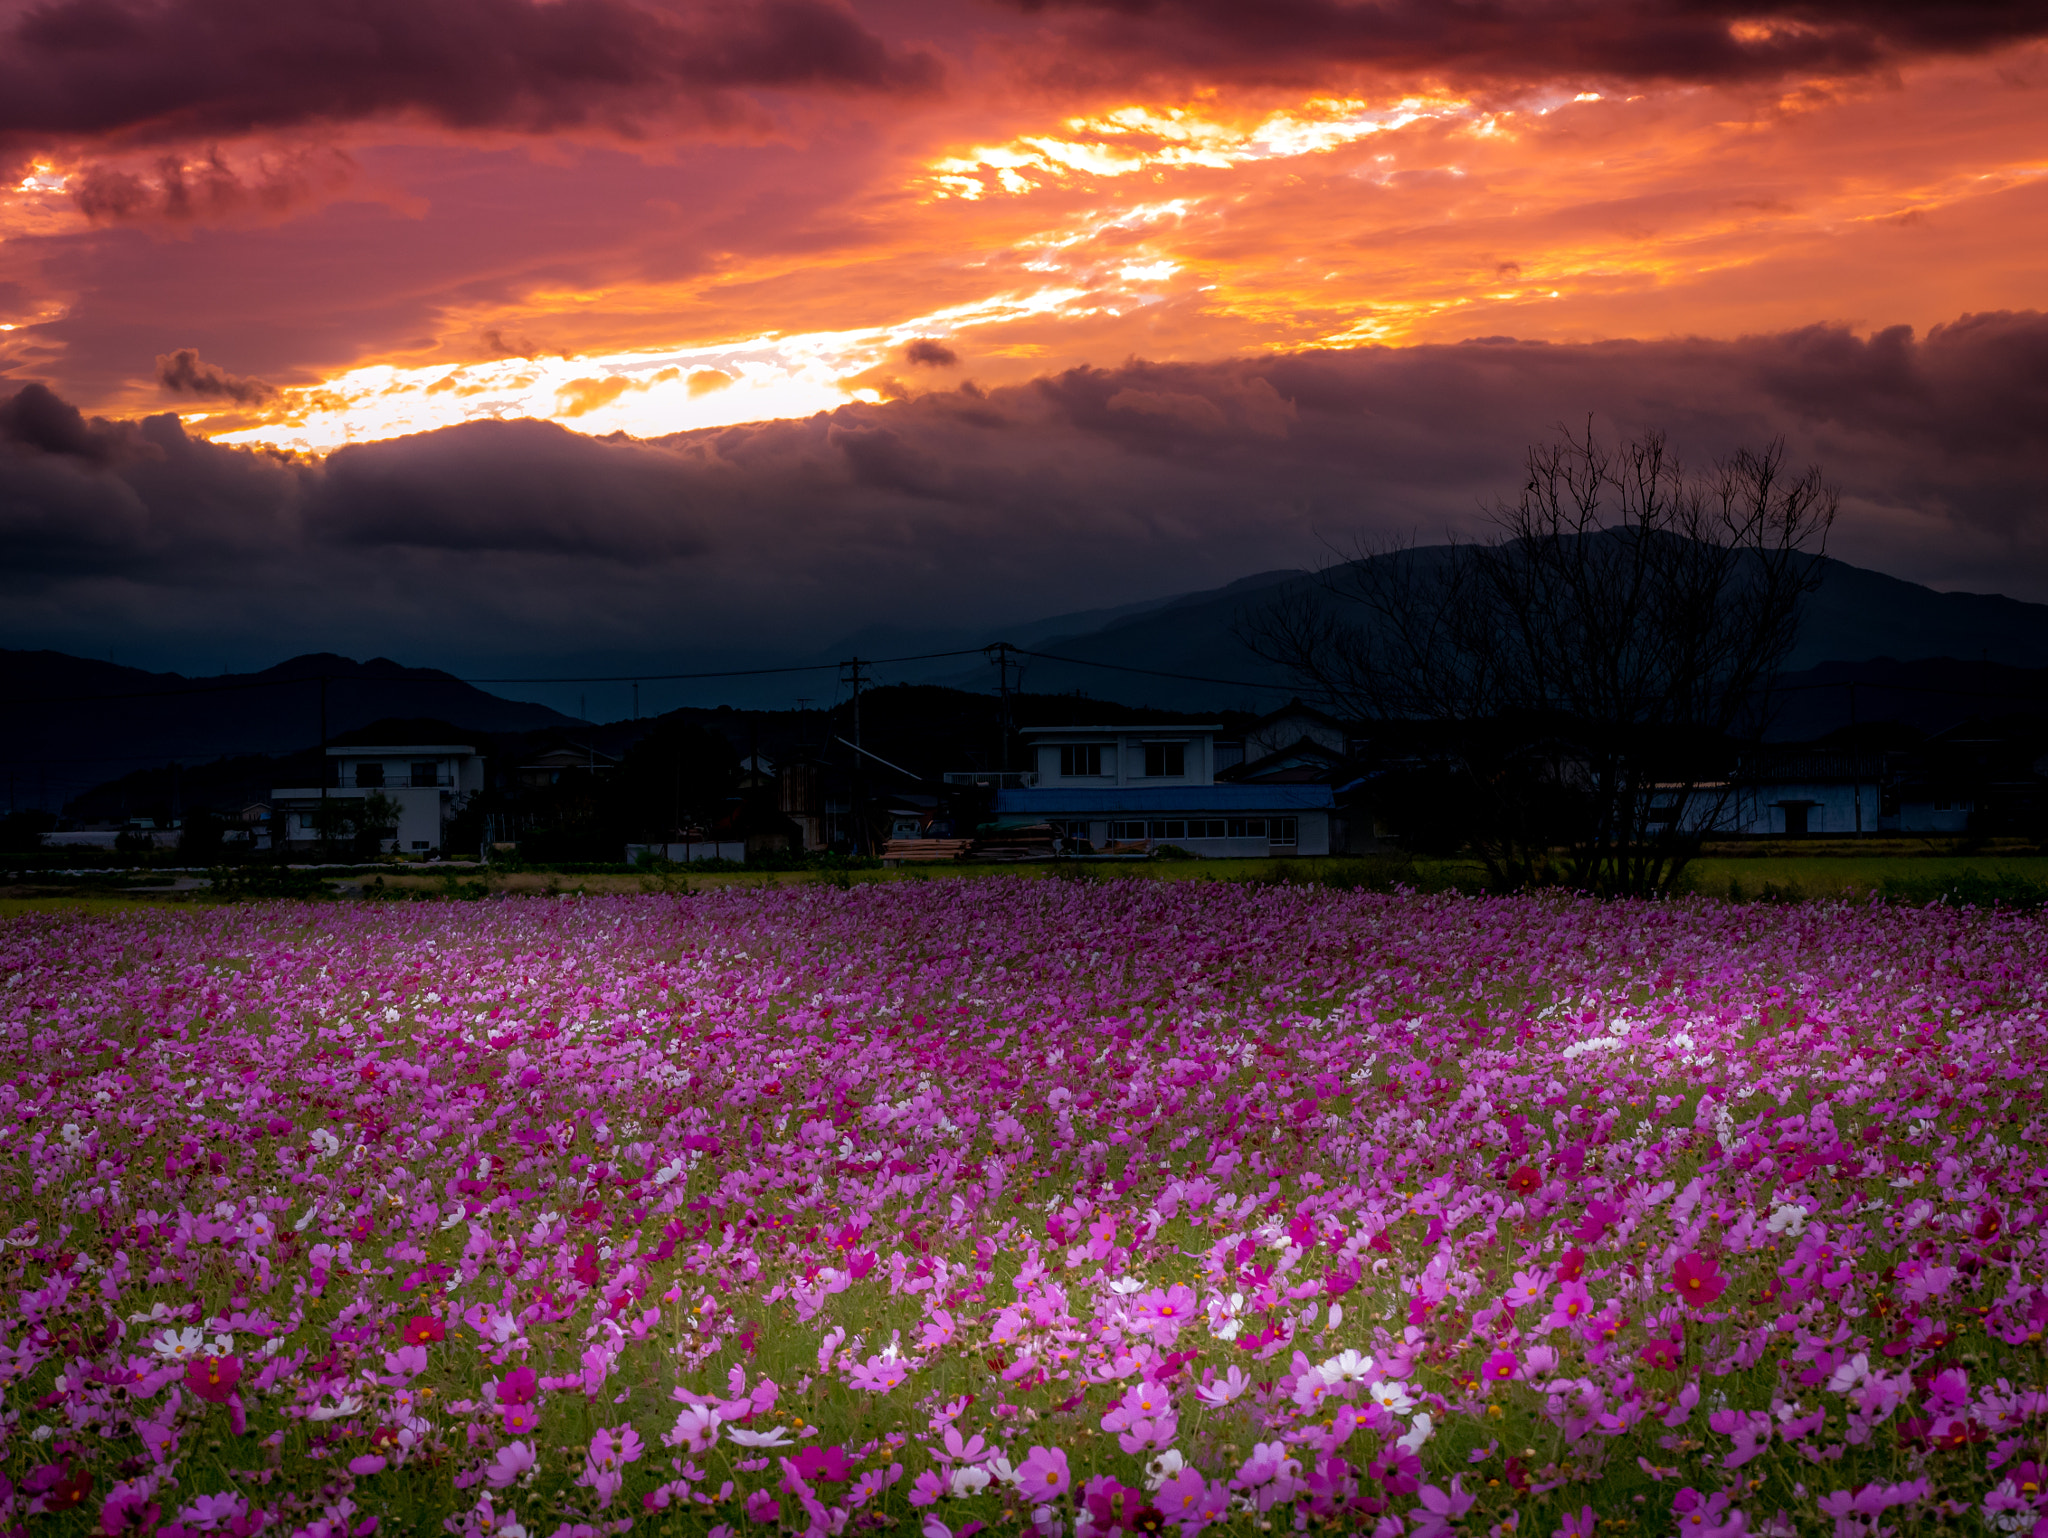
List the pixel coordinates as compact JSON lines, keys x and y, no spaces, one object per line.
{"x":451,"y":678}
{"x":1124,"y":667}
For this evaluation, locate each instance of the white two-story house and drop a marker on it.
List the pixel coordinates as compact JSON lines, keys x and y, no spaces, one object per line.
{"x":428,"y":782}
{"x":1104,"y":785}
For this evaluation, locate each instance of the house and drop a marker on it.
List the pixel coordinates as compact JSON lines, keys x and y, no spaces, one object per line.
{"x":1154,"y":785}
{"x":541,"y":769}
{"x":428,"y":782}
{"x":1295,"y":723}
{"x":1806,"y":789}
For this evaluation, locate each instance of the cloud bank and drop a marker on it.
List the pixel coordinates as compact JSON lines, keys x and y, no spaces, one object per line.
{"x":963,"y":506}
{"x":1532,"y":40}
{"x":121,"y":73}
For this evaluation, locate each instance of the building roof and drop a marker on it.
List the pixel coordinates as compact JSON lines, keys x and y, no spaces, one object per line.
{"x":1296,"y":707}
{"x":1303,"y":761}
{"x":395,"y":749}
{"x":1128,"y":729}
{"x":1807,"y":767}
{"x":1240,"y":800}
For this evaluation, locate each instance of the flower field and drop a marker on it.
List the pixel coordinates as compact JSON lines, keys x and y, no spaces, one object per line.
{"x":1005,"y":1205}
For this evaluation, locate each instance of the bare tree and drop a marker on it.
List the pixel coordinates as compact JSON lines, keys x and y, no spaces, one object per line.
{"x":1584,"y":666}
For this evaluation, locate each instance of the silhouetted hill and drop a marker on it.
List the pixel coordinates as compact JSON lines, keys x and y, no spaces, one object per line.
{"x":73,"y":722}
{"x":1856,"y":616}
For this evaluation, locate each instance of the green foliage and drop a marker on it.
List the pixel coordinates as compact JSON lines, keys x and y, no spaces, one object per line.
{"x":266,"y":883}
{"x":21,"y":832}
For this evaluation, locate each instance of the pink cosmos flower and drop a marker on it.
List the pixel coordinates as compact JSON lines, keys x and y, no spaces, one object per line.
{"x":1441,"y":1508}
{"x":825,"y":1465}
{"x":1660,"y":1352}
{"x":1044,"y":1474}
{"x":1147,"y":1432}
{"x":1170,"y":1305}
{"x":519,"y":1386}
{"x":878,"y":1375}
{"x":1499,"y":1367}
{"x":513,"y":1460}
{"x":213,"y":1378}
{"x":520,"y":1419}
{"x":1699,"y":1280}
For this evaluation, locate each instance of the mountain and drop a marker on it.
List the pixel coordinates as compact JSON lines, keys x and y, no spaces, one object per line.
{"x":1857,"y":616}
{"x":1923,"y":657}
{"x":73,"y":722}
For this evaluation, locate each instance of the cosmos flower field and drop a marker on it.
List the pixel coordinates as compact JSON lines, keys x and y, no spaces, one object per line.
{"x":1012,"y":1205}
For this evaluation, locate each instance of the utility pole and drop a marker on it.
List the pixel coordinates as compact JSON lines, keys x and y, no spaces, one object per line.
{"x":860,"y":831}
{"x":324,"y":762}
{"x":1001,"y":651}
{"x":1858,"y":782}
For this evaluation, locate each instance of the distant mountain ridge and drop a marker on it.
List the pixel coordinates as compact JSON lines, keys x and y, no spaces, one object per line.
{"x":75,"y":722}
{"x":1857,"y":616}
{"x":1916,"y":655}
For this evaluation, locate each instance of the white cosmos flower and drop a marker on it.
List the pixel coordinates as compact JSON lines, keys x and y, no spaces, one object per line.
{"x":180,"y":1345}
{"x":1163,"y":1468}
{"x":1788,"y":1219}
{"x":1418,"y":1433}
{"x":775,"y":1436}
{"x":1347,"y":1367}
{"x":1393,"y":1396}
{"x":970,"y":1479}
{"x":348,"y":1404}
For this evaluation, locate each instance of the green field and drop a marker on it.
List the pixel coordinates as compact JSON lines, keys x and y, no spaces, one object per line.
{"x":1896,"y":871}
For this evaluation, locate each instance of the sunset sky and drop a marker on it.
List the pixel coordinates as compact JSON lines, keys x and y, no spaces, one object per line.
{"x":503,"y":329}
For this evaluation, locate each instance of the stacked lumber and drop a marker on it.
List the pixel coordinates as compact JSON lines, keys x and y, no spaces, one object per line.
{"x":924,"y":851}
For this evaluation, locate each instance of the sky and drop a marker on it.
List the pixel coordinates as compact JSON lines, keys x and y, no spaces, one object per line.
{"x":514,"y":332}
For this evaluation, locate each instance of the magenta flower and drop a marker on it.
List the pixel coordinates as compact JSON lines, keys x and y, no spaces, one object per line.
{"x":512,"y":1461}
{"x":213,"y":1378}
{"x":519,"y":1386}
{"x":1699,"y":1280}
{"x":826,"y":1464}
{"x":1044,"y":1474}
{"x":1660,"y":1352}
{"x":1499,"y":1367}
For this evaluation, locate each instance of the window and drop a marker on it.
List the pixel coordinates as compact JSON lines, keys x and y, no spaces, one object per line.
{"x":370,"y":776}
{"x":1173,"y":828}
{"x":1283,"y":830}
{"x":1247,"y":827}
{"x":308,"y":823}
{"x":1079,"y":759}
{"x":1075,"y":832}
{"x":426,"y":775}
{"x":419,"y":843}
{"x":1165,"y":760}
{"x":1127,"y":830}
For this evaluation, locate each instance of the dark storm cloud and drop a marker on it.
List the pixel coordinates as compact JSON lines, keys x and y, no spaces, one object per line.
{"x":125,"y":72}
{"x":183,"y":372}
{"x":1083,"y":486}
{"x":1533,"y":40}
{"x":528,"y":486}
{"x":84,"y":495}
{"x":931,"y":354}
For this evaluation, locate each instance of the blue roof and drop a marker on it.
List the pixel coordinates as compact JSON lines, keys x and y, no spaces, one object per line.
{"x":1143,"y":800}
